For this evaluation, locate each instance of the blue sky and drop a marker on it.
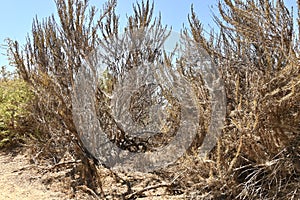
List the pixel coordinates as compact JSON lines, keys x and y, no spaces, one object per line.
{"x":16,"y":15}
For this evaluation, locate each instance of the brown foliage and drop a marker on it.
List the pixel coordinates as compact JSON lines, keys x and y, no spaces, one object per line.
{"x":52,"y":56}
{"x":257,"y":55}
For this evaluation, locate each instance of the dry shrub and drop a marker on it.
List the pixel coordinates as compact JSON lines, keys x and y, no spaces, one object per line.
{"x":50,"y":59}
{"x":258,"y":155}
{"x":256,"y":53}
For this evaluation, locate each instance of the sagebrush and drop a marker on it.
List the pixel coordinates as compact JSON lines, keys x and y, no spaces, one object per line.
{"x":257,"y":55}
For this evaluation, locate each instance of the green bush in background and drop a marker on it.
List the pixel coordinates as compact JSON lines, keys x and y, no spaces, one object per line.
{"x":14,"y":98}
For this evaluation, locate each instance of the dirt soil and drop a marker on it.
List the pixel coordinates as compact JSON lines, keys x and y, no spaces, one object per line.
{"x":19,"y":179}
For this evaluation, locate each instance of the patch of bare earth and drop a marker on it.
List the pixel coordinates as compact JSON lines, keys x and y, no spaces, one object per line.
{"x":19,"y":179}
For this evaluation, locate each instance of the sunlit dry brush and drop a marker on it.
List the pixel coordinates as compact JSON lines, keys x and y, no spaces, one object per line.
{"x":52,"y":57}
{"x":256,"y":53}
{"x":48,"y":62}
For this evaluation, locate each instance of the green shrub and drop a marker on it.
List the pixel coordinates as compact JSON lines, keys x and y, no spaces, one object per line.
{"x":14,"y":98}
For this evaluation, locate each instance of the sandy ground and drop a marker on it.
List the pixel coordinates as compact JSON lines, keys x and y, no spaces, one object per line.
{"x":19,"y":180}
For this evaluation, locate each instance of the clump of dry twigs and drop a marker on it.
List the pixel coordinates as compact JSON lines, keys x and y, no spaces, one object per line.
{"x":258,"y":155}
{"x":256,"y":53}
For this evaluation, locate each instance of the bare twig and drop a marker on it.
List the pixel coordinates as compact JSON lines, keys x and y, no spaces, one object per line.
{"x":87,"y":189}
{"x":147,"y":189}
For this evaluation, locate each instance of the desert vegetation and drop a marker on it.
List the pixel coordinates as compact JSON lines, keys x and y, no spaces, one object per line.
{"x":14,"y":109}
{"x":256,"y":54}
